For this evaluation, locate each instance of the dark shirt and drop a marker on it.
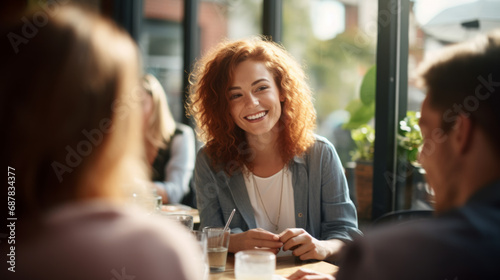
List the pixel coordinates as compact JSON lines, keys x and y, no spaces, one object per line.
{"x":161,"y":160}
{"x":460,"y":244}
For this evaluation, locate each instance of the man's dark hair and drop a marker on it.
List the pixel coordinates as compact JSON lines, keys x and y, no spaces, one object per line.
{"x":465,"y":79}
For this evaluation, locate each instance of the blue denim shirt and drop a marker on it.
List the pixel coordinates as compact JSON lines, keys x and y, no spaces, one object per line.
{"x":321,"y":196}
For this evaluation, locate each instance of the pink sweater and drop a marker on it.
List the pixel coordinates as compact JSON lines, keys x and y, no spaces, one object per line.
{"x":98,"y":240}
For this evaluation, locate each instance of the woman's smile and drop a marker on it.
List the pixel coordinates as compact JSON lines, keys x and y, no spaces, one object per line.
{"x":257,"y":117}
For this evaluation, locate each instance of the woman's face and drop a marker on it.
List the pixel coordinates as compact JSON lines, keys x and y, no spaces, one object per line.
{"x":254,"y":98}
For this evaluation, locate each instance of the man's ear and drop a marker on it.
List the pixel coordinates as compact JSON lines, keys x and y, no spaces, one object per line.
{"x":462,"y":133}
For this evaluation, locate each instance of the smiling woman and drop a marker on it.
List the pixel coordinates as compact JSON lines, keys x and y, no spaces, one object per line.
{"x":211,"y":81}
{"x":254,"y":109}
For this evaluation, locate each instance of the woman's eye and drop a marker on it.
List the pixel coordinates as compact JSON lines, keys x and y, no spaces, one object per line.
{"x":234,"y":96}
{"x":261,"y":88}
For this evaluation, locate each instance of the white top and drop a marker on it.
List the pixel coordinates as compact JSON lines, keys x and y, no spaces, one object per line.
{"x":270,"y":192}
{"x":179,"y":169}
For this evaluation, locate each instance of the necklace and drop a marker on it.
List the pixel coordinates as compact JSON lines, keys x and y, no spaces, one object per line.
{"x":276,"y":225}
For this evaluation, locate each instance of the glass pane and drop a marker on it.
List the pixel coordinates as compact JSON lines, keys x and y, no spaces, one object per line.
{"x":161,"y":43}
{"x":433,"y":25}
{"x":245,"y":18}
{"x":233,"y":19}
{"x":227,"y":19}
{"x":336,"y":41}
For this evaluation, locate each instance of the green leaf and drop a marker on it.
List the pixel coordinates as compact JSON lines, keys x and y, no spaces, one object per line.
{"x":409,"y":136}
{"x":360,"y":114}
{"x":413,"y":155}
{"x":368,"y":86}
{"x":364,"y":138}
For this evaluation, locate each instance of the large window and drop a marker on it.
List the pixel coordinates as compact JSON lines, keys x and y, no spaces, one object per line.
{"x":433,"y":25}
{"x":338,"y":42}
{"x":161,"y":44}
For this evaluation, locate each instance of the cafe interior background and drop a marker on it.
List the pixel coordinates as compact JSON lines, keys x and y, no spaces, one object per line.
{"x":360,"y":57}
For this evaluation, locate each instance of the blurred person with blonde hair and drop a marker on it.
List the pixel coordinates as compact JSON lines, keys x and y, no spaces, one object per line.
{"x":254,"y":110}
{"x":170,"y":146}
{"x":70,"y":107}
{"x":159,"y":122}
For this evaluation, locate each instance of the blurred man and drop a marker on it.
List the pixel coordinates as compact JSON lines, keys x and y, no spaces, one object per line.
{"x":461,"y":154}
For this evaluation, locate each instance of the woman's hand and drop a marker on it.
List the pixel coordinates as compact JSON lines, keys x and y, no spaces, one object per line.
{"x":255,"y":239}
{"x":307,"y":247}
{"x":306,"y":274}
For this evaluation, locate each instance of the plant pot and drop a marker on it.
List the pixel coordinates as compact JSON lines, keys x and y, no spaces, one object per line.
{"x":407,"y":174}
{"x":364,"y":189}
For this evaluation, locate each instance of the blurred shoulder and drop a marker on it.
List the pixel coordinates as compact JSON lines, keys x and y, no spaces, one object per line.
{"x":124,"y":224}
{"x":443,"y":248}
{"x":93,"y":239}
{"x":184,"y":128}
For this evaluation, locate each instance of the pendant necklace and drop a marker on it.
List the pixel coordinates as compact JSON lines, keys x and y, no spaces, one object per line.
{"x":276,"y":225}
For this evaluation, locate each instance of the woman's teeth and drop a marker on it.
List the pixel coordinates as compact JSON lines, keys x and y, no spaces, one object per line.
{"x":256,"y":116}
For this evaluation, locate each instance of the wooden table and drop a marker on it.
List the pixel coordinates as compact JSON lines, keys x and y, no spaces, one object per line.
{"x":284,"y":267}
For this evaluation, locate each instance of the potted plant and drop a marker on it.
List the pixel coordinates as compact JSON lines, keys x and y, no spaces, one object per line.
{"x":362,"y":111}
{"x":409,"y":139}
{"x":364,"y":138}
{"x":411,"y":174}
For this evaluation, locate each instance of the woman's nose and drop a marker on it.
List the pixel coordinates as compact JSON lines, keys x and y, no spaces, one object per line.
{"x":251,"y":101}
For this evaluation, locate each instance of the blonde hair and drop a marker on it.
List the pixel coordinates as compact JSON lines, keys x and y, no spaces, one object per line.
{"x":70,"y":102}
{"x":161,"y":124}
{"x":209,"y":104}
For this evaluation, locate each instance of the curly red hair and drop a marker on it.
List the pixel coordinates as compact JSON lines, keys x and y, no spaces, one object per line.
{"x":225,"y":142}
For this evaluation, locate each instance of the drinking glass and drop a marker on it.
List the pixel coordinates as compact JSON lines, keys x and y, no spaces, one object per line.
{"x":185,"y":219}
{"x":201,"y":237}
{"x":159,"y":202}
{"x":254,"y":264}
{"x":217,"y":245}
